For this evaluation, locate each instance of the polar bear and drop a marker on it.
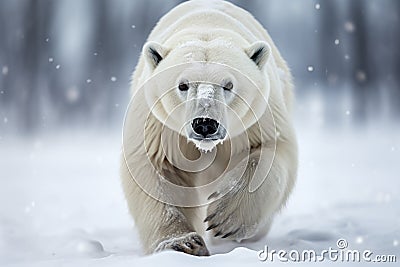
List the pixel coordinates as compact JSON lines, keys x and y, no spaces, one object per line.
{"x":209,"y":149}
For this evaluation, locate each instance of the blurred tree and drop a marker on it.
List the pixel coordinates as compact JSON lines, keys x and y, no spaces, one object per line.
{"x":331,"y":68}
{"x":101,"y":38}
{"x":3,"y":55}
{"x":37,"y":15}
{"x":396,"y":59}
{"x":31,"y":56}
{"x":330,"y":56}
{"x":362,"y":77}
{"x":10,"y":46}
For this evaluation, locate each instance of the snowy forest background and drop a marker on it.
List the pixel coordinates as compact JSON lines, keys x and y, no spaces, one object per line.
{"x":67,"y":63}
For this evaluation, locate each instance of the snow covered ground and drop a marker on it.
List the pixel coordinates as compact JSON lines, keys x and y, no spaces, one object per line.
{"x":61,"y":203}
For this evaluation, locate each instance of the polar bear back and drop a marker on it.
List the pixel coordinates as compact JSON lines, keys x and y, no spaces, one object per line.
{"x":198,"y":16}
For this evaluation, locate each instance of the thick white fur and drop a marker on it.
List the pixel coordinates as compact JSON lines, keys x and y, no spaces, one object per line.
{"x":212,"y":31}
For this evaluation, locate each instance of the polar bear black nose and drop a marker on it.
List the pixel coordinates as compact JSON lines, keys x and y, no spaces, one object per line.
{"x":205,"y":126}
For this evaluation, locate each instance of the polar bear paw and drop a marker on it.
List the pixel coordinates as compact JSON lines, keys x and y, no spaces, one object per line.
{"x":227,"y":218}
{"x":191,"y":243}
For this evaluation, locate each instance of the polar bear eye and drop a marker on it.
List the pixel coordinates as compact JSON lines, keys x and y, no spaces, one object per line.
{"x":183,"y":86}
{"x":228,"y":86}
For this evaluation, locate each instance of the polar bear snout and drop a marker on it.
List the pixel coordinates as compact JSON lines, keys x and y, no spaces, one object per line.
{"x":205,"y":127}
{"x":206,"y":114}
{"x":206,"y":133}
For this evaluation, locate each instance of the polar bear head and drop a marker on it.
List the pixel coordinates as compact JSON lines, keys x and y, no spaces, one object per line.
{"x":207,"y":90}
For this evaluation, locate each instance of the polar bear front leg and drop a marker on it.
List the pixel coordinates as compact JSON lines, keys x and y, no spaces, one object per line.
{"x":237,"y":213}
{"x":176,"y":232}
{"x":161,"y":226}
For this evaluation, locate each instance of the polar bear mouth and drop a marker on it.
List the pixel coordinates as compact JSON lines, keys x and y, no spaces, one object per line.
{"x":206,"y":133}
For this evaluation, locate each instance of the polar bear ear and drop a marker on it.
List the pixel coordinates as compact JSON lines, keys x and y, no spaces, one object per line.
{"x":154,"y":53}
{"x":259,"y":52}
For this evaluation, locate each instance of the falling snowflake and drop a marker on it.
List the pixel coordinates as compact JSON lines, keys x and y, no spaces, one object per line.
{"x":395,"y":243}
{"x":349,"y":26}
{"x":317,"y":6}
{"x":361,"y":76}
{"x":393,"y":148}
{"x":310,"y":68}
{"x":347,"y":57}
{"x":113,"y":79}
{"x":58,"y":66}
{"x":4,"y":70}
{"x":88,"y":81}
{"x":51,"y":59}
{"x":133,"y":26}
{"x":30,"y":207}
{"x":95,"y":54}
{"x":5,"y":119}
{"x":47,"y":40}
{"x":359,"y":240}
{"x":72,"y":94}
{"x":337,"y":42}
{"x":347,"y":112}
